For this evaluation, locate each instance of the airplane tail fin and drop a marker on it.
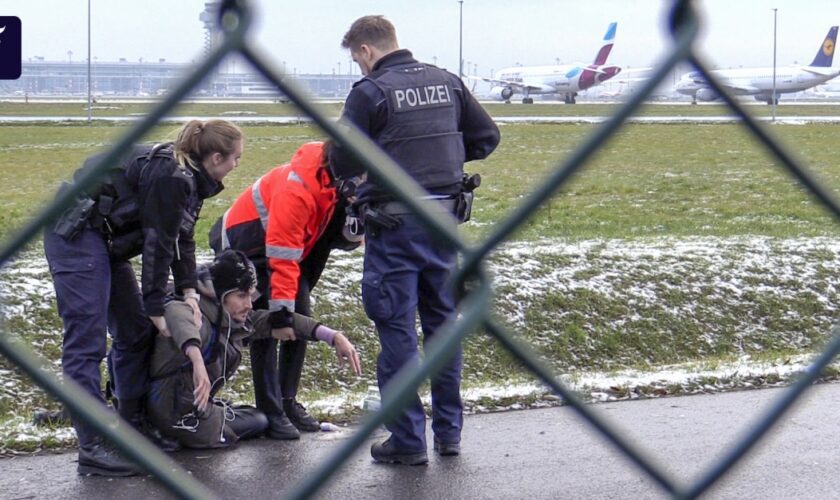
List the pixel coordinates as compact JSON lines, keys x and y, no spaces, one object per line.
{"x":825,"y":54}
{"x":609,"y":38}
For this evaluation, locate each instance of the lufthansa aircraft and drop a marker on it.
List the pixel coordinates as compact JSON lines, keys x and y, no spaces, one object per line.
{"x":566,"y":79}
{"x":758,"y":82}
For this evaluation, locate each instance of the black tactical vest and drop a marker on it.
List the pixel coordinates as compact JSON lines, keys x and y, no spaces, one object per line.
{"x":422,"y":134}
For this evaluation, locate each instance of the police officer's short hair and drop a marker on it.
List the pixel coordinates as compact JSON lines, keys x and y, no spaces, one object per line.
{"x":370,"y":30}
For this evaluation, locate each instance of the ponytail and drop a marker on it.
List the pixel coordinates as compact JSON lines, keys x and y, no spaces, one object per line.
{"x":197,"y":140}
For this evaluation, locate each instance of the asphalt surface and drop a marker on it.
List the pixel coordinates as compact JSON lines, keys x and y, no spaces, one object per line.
{"x":547,"y":453}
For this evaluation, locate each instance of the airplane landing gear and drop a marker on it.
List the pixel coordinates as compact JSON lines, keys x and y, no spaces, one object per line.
{"x":569,"y":99}
{"x":527,"y":100}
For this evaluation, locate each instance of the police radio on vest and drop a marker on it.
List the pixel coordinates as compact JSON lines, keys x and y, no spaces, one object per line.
{"x":428,"y":95}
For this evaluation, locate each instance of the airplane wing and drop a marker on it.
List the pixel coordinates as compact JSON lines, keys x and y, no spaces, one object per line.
{"x":511,"y":84}
{"x":742,"y":89}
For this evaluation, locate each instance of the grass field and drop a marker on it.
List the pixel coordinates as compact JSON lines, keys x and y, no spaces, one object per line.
{"x":649,"y":180}
{"x":675,"y":244}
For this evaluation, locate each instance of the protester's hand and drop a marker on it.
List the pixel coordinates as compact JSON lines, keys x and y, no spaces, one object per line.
{"x":346,"y":353}
{"x":160,"y":324}
{"x":283,"y":334}
{"x":201,"y":382}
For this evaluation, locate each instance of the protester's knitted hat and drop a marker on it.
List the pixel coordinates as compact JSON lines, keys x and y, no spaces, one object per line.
{"x":232,"y":271}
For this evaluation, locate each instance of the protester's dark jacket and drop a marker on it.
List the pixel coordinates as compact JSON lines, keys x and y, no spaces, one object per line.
{"x":171,"y":397}
{"x":444,"y":100}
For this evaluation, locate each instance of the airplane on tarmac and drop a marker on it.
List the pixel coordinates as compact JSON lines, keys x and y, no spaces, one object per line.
{"x":566,"y":79}
{"x":758,"y":82}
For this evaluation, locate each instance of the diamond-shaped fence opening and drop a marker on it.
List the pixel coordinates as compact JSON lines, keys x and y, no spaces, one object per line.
{"x":234,"y":19}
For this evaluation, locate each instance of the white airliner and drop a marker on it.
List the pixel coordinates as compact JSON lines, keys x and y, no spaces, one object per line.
{"x":565,"y":79}
{"x":758,"y":82}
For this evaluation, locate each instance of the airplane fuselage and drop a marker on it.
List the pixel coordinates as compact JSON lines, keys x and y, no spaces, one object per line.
{"x":757,"y":81}
{"x":562,"y":79}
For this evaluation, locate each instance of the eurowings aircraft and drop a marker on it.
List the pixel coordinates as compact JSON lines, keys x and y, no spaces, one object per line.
{"x":758,"y":82}
{"x":565,"y":79}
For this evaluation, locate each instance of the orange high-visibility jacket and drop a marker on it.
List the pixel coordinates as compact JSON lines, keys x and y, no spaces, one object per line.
{"x":280,"y":217}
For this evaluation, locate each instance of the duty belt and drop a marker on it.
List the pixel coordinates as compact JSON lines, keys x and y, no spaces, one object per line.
{"x":446,"y":205}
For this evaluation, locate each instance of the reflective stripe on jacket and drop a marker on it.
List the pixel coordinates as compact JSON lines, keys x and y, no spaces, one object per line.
{"x":280,"y":218}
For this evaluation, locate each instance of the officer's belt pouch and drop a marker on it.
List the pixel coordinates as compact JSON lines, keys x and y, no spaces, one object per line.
{"x":463,"y":206}
{"x":75,"y":218}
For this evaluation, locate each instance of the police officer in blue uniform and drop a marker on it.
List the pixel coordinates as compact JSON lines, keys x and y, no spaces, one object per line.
{"x":428,"y":122}
{"x":147,"y":206}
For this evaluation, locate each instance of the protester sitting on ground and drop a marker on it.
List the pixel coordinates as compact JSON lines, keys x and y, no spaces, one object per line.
{"x":189,"y":368}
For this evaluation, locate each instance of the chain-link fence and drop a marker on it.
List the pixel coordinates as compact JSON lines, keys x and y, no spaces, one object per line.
{"x":235,"y":21}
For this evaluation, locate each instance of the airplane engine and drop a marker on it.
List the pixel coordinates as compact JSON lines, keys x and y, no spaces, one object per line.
{"x":707,"y":95}
{"x":502,"y":93}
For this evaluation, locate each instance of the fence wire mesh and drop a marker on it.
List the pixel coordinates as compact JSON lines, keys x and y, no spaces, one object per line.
{"x":234,"y":19}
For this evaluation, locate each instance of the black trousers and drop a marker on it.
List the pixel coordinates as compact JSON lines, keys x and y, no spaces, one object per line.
{"x":276,"y":377}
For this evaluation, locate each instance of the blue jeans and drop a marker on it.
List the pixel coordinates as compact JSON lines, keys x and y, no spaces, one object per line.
{"x":96,"y":296}
{"x":407,"y":272}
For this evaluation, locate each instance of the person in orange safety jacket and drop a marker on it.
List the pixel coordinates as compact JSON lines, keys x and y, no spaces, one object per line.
{"x":286,"y":223}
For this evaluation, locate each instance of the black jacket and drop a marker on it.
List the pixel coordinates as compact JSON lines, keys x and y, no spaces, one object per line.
{"x":155,"y":204}
{"x":368,"y":109}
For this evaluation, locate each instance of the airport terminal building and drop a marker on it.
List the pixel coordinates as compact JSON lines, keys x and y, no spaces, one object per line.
{"x":137,"y":79}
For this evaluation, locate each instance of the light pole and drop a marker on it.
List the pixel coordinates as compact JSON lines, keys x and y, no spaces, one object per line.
{"x":460,"y":38}
{"x":90,"y":98}
{"x":774,"y":64}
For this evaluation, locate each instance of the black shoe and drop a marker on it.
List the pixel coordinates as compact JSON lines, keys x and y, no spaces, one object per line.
{"x":447,"y":449}
{"x":385,"y":452}
{"x":299,"y":417}
{"x":279,"y":427}
{"x":102,"y":459}
{"x":44,"y":418}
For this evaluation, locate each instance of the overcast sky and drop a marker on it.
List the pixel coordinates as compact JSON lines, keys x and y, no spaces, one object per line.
{"x":306,"y":34}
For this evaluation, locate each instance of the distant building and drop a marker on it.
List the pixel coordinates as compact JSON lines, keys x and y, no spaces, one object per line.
{"x":132,"y":79}
{"x":40,"y":78}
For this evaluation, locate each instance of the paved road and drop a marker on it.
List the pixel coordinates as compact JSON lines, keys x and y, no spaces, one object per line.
{"x":520,"y":454}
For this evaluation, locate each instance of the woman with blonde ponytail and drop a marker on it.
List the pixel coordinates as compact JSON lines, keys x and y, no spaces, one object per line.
{"x":148,"y":207}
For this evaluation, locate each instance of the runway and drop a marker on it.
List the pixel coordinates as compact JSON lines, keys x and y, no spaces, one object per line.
{"x":291,"y":120}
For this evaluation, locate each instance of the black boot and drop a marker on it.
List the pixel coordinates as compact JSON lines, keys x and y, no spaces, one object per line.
{"x":100,"y":458}
{"x":299,"y":417}
{"x":279,"y":427}
{"x":385,"y":452}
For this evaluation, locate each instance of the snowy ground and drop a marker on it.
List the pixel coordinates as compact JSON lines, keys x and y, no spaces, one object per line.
{"x":717,"y":282}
